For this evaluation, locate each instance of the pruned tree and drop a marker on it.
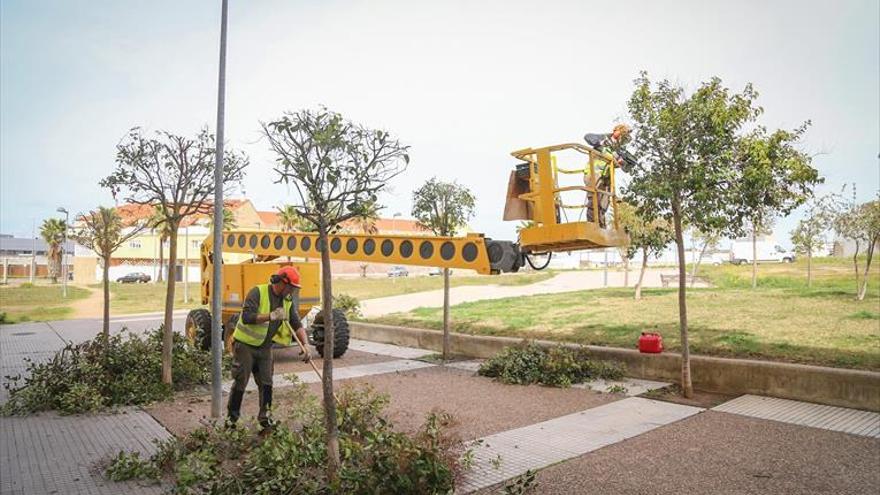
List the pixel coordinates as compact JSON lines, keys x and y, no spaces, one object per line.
{"x":174,"y":173}
{"x":651,"y":238}
{"x":689,"y":171}
{"x":103,"y":231}
{"x":443,"y":208}
{"x":776,"y":178}
{"x":52,"y":231}
{"x":809,"y":233}
{"x":337,"y":168}
{"x":860,"y":223}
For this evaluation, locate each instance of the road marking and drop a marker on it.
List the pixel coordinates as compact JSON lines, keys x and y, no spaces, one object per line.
{"x":508,"y":454}
{"x":854,"y":421}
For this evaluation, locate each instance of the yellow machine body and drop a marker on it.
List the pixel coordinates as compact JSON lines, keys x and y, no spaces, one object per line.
{"x":537,"y":198}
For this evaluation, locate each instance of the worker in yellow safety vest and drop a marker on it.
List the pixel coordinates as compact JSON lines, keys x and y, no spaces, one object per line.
{"x":269,"y":314}
{"x":607,"y":144}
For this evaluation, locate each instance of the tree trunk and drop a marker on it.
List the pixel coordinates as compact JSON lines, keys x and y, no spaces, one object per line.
{"x":864,"y":290}
{"x":809,"y":267}
{"x":638,"y":294}
{"x":106,"y":285}
{"x":856,"y":268}
{"x":159,"y":276}
{"x":445,"y":314}
{"x":625,"y":271}
{"x":168,"y":333}
{"x":327,"y":383}
{"x":754,"y":256}
{"x":686,"y":384}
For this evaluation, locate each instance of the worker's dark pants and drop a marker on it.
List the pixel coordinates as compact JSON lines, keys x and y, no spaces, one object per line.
{"x":602,"y":184}
{"x":247,"y":359}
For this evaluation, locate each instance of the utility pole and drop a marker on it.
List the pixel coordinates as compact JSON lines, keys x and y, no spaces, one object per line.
{"x":186,"y":264}
{"x":64,"y":252}
{"x":605,"y":272}
{"x":33,"y":250}
{"x":216,"y":308}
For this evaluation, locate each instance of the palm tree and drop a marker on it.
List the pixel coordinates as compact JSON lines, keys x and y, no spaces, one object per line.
{"x":288,"y":218}
{"x":52,"y":232}
{"x":366,"y":222}
{"x":229,"y":221}
{"x":102,"y":232}
{"x":159,"y":223}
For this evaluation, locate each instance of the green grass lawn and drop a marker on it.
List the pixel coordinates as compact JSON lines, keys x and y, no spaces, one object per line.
{"x":149,"y":298}
{"x":369,"y":288}
{"x":38,"y":303}
{"x":781,"y":320}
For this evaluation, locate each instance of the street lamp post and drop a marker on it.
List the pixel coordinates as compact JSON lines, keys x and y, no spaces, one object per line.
{"x":64,"y":251}
{"x":394,"y":223}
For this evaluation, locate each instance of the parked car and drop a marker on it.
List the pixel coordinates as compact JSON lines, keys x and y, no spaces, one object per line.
{"x":134,"y":278}
{"x":398,"y":271}
{"x":437,"y":271}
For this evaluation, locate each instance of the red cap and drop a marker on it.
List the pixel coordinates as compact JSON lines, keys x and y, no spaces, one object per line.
{"x":289,"y":275}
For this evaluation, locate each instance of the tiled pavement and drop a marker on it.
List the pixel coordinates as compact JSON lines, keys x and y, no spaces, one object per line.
{"x":52,"y":454}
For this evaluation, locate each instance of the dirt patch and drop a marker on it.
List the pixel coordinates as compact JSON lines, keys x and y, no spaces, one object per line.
{"x":479,"y":405}
{"x":90,"y":307}
{"x":672,"y":393}
{"x":722,"y":453}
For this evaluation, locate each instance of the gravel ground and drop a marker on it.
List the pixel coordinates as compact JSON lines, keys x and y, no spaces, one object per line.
{"x":479,"y":405}
{"x":722,"y":453}
{"x":289,"y":360}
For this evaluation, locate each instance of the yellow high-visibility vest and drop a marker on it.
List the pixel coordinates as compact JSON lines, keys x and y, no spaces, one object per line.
{"x":254,"y":334}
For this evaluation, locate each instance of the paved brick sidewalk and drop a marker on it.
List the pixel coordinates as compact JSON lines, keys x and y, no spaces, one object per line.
{"x":52,"y":454}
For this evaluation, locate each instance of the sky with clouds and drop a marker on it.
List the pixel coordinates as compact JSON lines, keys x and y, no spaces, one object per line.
{"x":464,"y":83}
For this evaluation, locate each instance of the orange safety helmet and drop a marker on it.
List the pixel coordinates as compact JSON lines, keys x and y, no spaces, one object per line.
{"x":287,"y":274}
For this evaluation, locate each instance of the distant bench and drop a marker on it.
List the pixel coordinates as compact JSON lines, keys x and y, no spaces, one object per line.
{"x":666,"y":279}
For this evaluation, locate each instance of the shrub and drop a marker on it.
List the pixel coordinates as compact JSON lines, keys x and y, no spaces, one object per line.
{"x":3,"y":318}
{"x":124,"y":369}
{"x":292,"y":458}
{"x":349,"y":304}
{"x":558,"y":366}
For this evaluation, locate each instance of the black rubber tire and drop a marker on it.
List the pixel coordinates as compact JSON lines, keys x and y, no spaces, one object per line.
{"x":200,"y":319}
{"x":341,"y":333}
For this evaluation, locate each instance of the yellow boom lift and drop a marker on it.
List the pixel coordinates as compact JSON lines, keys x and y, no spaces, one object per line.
{"x":535,"y":196}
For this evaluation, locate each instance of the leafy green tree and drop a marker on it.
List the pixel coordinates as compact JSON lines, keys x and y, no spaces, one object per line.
{"x":776,"y":178}
{"x":443,"y":208}
{"x":691,"y":171}
{"x":337,"y":168}
{"x":103,"y":231}
{"x":175,"y":173}
{"x":809,"y":234}
{"x":52,"y":231}
{"x":649,"y":237}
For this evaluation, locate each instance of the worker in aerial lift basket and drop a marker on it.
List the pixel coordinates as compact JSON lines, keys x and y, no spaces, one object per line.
{"x":610,"y":144}
{"x":269,"y":314}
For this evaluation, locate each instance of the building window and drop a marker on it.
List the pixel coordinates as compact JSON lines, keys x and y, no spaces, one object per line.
{"x":134,"y":244}
{"x":195,"y":244}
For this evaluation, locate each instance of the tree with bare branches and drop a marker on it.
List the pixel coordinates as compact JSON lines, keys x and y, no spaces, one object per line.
{"x":337,"y":168}
{"x":103,"y":231}
{"x":174,"y":173}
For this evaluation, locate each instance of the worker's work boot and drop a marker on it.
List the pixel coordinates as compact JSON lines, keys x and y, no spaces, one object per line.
{"x":233,"y":407}
{"x":265,"y":406}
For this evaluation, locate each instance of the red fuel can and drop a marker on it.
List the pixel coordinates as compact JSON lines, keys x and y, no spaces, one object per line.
{"x":650,"y":342}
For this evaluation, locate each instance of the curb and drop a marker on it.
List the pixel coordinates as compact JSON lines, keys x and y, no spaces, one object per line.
{"x":822,"y":385}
